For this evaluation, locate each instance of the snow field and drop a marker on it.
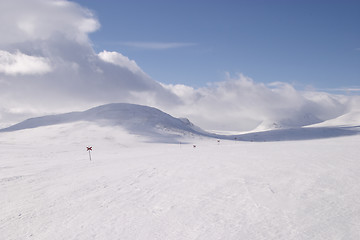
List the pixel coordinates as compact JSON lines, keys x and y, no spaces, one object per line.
{"x":134,"y":189}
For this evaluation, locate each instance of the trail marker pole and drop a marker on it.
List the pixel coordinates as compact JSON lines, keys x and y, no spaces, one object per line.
{"x":89,"y":149}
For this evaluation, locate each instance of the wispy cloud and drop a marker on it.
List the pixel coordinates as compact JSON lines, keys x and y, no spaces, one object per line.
{"x":349,"y":89}
{"x":157,"y":45}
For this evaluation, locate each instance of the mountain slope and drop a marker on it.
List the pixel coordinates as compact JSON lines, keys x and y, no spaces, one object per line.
{"x":134,"y":190}
{"x":159,"y":126}
{"x":136,"y":119}
{"x":348,"y":119}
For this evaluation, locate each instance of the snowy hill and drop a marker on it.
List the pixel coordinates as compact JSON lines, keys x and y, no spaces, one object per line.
{"x":135,"y":190}
{"x":149,"y":189}
{"x":346,"y":120}
{"x":136,"y":119}
{"x":158,"y":126}
{"x":296,"y":121}
{"x":301,"y":133}
{"x":305,"y":127}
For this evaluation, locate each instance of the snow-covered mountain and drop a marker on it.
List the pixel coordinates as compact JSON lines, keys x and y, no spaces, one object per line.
{"x":159,"y":126}
{"x":136,"y":119}
{"x":348,"y":119}
{"x":297,"y":120}
{"x":137,"y":188}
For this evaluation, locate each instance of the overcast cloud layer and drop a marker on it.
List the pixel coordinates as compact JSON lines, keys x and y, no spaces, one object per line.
{"x":48,"y":65}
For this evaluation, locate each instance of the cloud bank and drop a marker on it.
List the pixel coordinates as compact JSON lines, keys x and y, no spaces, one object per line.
{"x":241,"y":104}
{"x":48,"y":65}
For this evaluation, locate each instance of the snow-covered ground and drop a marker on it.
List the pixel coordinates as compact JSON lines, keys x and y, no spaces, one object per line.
{"x":138,"y":188}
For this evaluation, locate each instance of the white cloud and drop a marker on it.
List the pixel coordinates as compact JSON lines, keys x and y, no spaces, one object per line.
{"x":157,"y":45}
{"x":241,"y":104}
{"x":31,"y":20}
{"x":120,"y":60}
{"x":47,"y":36}
{"x":19,"y":63}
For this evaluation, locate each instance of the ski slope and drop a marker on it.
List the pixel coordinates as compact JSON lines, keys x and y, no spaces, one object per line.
{"x":136,"y":187}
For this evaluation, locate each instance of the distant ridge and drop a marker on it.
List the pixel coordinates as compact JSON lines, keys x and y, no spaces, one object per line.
{"x":162,"y":127}
{"x":135,"y":118}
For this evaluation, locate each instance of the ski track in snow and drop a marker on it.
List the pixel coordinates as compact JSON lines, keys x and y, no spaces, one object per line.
{"x":135,"y":190}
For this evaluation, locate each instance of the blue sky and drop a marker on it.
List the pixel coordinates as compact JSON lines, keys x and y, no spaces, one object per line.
{"x":306,"y":43}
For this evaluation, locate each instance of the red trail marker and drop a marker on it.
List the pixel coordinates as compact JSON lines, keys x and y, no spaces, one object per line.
{"x":89,"y":149}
